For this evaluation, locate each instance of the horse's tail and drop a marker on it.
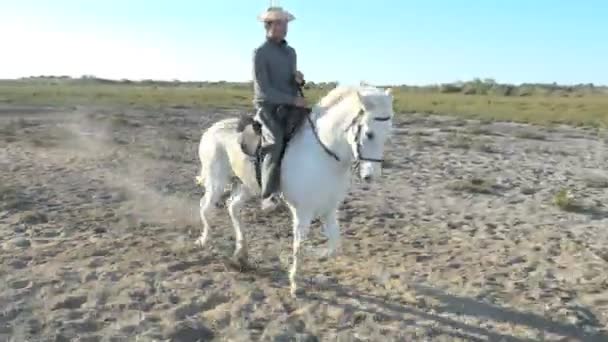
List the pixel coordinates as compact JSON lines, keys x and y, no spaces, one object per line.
{"x":215,"y":165}
{"x":200,"y":179}
{"x":205,"y":153}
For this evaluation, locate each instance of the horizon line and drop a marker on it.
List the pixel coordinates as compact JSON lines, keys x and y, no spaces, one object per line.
{"x":177,"y":80}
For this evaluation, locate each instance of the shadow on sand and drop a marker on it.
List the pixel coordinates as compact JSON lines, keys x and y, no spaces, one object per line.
{"x":457,"y":305}
{"x":352,"y":300}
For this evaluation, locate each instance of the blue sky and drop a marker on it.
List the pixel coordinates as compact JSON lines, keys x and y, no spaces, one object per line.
{"x":383,"y":42}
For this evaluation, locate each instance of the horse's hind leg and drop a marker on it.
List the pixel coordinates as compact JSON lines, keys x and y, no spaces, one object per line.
{"x":214,"y":174}
{"x":239,"y":197}
{"x":214,"y":188}
{"x":207,"y":203}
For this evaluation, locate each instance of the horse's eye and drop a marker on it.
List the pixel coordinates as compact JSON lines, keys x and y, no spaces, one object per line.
{"x":370,"y":135}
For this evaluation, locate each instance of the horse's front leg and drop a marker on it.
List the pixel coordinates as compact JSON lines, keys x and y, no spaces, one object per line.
{"x":301,"y":225}
{"x":332,"y":232}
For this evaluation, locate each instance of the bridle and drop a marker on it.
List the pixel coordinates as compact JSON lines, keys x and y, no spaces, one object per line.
{"x":356,"y":121}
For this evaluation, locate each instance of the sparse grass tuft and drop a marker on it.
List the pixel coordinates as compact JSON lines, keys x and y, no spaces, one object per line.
{"x":529,"y":190}
{"x":13,"y":199}
{"x":421,"y":133}
{"x":458,"y":123}
{"x":38,"y":142}
{"x":564,"y":200}
{"x":33,"y":217}
{"x":9,"y":139}
{"x":9,"y":131}
{"x":456,"y":140}
{"x":119,"y":120}
{"x":7,"y":192}
{"x":177,"y":135}
{"x":479,"y":130}
{"x":530,"y":134}
{"x":486,"y":146}
{"x":419,"y":141}
{"x":8,"y":134}
{"x":50,"y":137}
{"x":448,"y":130}
{"x":474,"y":185}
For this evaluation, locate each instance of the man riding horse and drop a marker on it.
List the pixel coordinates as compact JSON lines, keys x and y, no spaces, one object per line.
{"x":276,"y":83}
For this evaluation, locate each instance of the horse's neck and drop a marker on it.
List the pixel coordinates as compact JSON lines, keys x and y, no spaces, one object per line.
{"x":332,"y":129}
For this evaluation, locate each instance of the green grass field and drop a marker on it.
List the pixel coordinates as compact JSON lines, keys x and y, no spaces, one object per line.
{"x":576,"y":108}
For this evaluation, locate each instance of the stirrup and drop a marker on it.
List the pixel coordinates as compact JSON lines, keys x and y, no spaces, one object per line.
{"x":270,"y":203}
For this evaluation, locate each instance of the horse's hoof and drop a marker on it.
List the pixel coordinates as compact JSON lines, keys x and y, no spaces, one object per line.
{"x":237,"y":262}
{"x":241,"y":256}
{"x":327,"y":254}
{"x":243,"y":264}
{"x":200,"y":242}
{"x":297,"y":292}
{"x":332,"y":253}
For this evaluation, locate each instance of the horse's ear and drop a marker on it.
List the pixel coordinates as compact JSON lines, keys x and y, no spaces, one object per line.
{"x":365,"y":105}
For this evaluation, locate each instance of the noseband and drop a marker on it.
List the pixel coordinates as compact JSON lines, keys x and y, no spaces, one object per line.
{"x":359,"y":157}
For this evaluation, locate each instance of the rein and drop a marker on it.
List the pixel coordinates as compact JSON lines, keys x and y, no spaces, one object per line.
{"x":314,"y":131}
{"x":314,"y":128}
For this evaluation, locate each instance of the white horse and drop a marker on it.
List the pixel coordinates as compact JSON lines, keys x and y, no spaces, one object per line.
{"x":349,"y":125}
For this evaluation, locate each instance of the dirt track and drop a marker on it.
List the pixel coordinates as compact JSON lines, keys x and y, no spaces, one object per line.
{"x":460,"y":240}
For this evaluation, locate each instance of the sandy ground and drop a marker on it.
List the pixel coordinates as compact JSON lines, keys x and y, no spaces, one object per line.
{"x":459,"y":241}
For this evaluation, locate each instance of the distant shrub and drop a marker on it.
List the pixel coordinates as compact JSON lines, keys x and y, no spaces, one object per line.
{"x":502,"y":90}
{"x":450,"y":88}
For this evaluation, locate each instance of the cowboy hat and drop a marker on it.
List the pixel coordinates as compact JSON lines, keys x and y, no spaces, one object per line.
{"x":275,"y":13}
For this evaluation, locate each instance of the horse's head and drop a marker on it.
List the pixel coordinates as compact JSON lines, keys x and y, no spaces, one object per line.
{"x":370,"y":129}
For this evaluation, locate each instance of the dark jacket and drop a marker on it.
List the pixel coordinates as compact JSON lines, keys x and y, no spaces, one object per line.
{"x":274,"y":68}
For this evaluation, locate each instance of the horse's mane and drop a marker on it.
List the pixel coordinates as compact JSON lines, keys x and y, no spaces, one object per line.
{"x":336,"y":95}
{"x":340,"y":93}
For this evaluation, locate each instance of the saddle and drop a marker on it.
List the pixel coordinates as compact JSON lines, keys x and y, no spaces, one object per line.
{"x":250,"y":133}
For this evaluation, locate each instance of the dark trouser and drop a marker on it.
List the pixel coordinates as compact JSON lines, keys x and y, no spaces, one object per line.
{"x":273,"y":136}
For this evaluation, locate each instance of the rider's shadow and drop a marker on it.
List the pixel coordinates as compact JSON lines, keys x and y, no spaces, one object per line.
{"x":341,"y":296}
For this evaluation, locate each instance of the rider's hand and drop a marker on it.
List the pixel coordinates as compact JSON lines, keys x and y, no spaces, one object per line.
{"x":300,"y":102}
{"x":299,"y":77}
